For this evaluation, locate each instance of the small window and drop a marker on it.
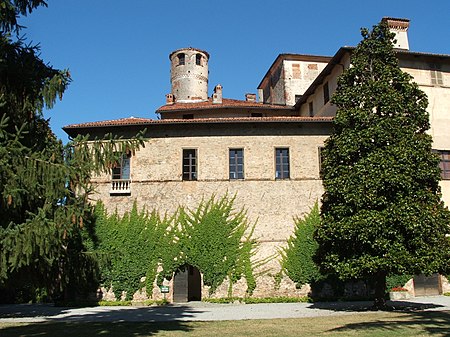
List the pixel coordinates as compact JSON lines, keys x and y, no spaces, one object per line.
{"x":188,"y":116}
{"x":320,"y":149}
{"x":198,"y":59}
{"x":236,"y":163}
{"x":189,"y":164}
{"x":281,"y":163}
{"x":181,"y":59}
{"x":444,"y":164}
{"x":326,"y":93}
{"x":311,"y":109}
{"x":436,"y":74}
{"x":256,"y":114}
{"x":121,"y":169}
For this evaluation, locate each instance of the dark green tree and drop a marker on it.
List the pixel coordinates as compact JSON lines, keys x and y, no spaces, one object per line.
{"x":382,"y":212}
{"x":44,"y":186}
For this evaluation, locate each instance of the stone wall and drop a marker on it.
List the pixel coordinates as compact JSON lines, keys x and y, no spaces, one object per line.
{"x":156,"y":183}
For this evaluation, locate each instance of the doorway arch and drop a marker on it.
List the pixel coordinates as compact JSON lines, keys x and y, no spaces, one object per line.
{"x":187,"y":284}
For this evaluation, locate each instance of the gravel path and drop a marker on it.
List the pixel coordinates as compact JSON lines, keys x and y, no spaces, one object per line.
{"x":201,"y":311}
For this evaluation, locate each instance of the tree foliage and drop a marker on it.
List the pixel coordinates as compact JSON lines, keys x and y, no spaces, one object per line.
{"x":44,"y":186}
{"x":297,"y":258}
{"x":381,"y":211}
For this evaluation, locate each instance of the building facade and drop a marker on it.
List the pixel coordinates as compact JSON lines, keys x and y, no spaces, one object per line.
{"x":265,"y":152}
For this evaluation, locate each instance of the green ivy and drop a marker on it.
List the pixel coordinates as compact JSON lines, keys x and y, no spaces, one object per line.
{"x":257,"y":300}
{"x":394,"y":281}
{"x":297,"y":258}
{"x":213,"y":237}
{"x":217,"y":240}
{"x":132,"y":246}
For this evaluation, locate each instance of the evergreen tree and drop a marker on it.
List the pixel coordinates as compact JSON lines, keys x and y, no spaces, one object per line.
{"x":44,"y":186}
{"x":381,"y":211}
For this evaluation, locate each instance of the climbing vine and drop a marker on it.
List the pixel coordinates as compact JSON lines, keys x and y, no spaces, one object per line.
{"x":132,"y":247}
{"x":297,"y":258}
{"x":217,"y":240}
{"x":213,"y":237}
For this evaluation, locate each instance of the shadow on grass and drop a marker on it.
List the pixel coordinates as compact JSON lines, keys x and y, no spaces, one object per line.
{"x":69,"y":329}
{"x":47,"y":320}
{"x":436,"y":323}
{"x":401,"y":306}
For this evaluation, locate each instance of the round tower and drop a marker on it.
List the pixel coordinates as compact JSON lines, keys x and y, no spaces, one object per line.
{"x":189,"y":75}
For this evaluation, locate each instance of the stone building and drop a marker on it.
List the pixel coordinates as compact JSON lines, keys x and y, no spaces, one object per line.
{"x":267,"y":152}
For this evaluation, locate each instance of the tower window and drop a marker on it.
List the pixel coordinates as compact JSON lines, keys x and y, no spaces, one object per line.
{"x":311,"y":109}
{"x":181,"y":59}
{"x":198,"y":59}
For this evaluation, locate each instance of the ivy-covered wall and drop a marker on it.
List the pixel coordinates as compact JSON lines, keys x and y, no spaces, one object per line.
{"x":297,"y":258}
{"x":214,"y":237}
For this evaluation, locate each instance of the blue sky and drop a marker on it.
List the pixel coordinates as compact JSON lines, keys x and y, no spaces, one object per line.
{"x":117,"y":51}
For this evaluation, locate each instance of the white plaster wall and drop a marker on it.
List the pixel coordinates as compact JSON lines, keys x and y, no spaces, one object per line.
{"x":297,"y":85}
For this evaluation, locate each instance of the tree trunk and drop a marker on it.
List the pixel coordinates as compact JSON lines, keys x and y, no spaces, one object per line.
{"x":380,"y":291}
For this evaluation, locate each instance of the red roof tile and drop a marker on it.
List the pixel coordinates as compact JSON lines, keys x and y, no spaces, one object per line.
{"x":226,"y":103}
{"x":133,"y":121}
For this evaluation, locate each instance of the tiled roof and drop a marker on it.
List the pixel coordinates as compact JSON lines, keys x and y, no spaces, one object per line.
{"x":133,"y":121}
{"x":226,"y":103}
{"x":113,"y":122}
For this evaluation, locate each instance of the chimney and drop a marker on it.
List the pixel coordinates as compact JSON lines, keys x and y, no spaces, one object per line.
{"x":217,"y":95}
{"x":400,"y":28}
{"x":170,"y":99}
{"x":250,"y":97}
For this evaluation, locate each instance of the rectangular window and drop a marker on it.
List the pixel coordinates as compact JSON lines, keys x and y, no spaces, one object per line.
{"x":436,"y":74}
{"x":120,"y":182}
{"x":256,"y":114}
{"x":189,"y":164}
{"x":444,"y":164}
{"x":326,"y":93}
{"x":311,"y":109}
{"x":181,"y":59}
{"x":236,"y":163}
{"x":198,"y":59}
{"x":188,"y":116}
{"x":121,"y":169}
{"x":281,"y":163}
{"x":320,"y":159}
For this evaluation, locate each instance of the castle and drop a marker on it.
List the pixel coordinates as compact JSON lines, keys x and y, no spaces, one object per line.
{"x":266,"y":150}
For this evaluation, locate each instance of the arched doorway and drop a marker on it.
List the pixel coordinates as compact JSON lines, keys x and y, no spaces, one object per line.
{"x":187,"y":284}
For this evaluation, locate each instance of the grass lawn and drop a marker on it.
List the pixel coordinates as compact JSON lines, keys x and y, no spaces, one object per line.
{"x":365,"y":324}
